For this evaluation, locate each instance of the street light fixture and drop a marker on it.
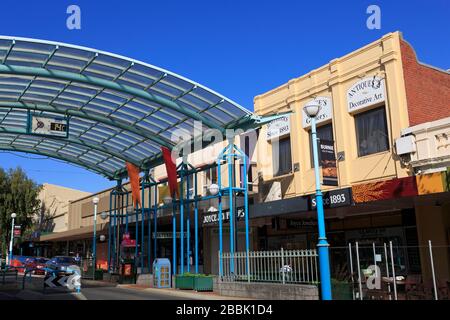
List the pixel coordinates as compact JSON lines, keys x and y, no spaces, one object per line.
{"x":312,"y":110}
{"x":167,"y":200}
{"x":95,"y":201}
{"x":213,"y":189}
{"x":104,"y":215}
{"x":13,"y":216}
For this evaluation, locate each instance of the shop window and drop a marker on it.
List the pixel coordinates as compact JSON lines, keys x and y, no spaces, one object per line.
{"x":323,"y":133}
{"x":371,"y":132}
{"x":281,"y":156}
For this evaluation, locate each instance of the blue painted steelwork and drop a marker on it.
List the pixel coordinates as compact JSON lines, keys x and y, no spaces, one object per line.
{"x":109,"y":234}
{"x":144,"y":179}
{"x":188,"y":227}
{"x":174,"y":239}
{"x":196,"y":222}
{"x":228,"y":155}
{"x":181,"y":219}
{"x":155,"y":217}
{"x":324,"y":263}
{"x":185,"y":170}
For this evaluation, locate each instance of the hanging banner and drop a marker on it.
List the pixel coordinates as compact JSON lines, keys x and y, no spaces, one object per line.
{"x":133,"y":173}
{"x":171,"y":172}
{"x":328,"y":163}
{"x":48,"y":126}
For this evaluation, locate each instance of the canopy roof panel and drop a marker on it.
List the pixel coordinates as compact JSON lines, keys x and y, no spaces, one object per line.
{"x":119,"y":109}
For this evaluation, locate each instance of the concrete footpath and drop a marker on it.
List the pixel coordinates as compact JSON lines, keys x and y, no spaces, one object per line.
{"x":185,"y":294}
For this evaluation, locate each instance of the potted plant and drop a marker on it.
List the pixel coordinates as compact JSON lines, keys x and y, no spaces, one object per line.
{"x":185,"y":281}
{"x":98,"y":274}
{"x":341,"y":289}
{"x":203,"y":282}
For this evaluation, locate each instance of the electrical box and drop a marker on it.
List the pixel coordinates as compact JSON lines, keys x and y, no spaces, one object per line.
{"x":405,"y":145}
{"x":162,"y":277}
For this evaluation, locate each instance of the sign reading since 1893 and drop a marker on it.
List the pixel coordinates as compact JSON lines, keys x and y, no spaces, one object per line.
{"x":334,"y":198}
{"x":365,"y":93}
{"x":278,"y":128}
{"x":50,"y":126}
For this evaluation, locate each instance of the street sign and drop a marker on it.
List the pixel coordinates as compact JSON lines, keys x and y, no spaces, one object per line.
{"x":17,"y":231}
{"x":72,"y":281}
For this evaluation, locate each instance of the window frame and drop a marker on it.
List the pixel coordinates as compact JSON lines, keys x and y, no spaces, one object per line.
{"x":357,"y":135}
{"x":279,"y":173}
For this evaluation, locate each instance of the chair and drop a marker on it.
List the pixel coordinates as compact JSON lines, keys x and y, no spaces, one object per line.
{"x":413,"y":286}
{"x":443,"y":289}
{"x":428,"y":291}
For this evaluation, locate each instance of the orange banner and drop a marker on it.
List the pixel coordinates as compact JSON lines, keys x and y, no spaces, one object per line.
{"x":133,"y":173}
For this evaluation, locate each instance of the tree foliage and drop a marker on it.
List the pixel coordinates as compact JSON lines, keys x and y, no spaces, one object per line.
{"x":18,"y":194}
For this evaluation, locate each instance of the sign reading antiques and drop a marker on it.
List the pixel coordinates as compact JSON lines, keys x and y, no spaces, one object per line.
{"x":278,"y":128}
{"x":365,"y":93}
{"x":325,"y":113}
{"x":334,"y":198}
{"x":49,"y":126}
{"x":212,"y":218}
{"x":328,"y":163}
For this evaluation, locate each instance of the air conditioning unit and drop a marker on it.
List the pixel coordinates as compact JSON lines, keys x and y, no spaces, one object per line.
{"x":405,"y":145}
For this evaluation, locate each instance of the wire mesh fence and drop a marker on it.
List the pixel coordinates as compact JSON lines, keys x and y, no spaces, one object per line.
{"x":281,"y":266}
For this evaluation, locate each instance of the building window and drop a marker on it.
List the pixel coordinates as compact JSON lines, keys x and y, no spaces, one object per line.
{"x":281,"y":156}
{"x":323,"y":133}
{"x":371,"y":132}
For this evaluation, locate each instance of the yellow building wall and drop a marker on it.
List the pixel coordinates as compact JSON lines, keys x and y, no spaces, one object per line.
{"x":381,"y":58}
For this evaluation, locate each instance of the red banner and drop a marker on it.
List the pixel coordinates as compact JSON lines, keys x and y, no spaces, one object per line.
{"x":133,"y":173}
{"x":171,"y":172}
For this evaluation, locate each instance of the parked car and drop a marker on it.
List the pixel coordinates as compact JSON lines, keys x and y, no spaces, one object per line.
{"x":37,"y":263}
{"x":18,"y":262}
{"x":61,"y":263}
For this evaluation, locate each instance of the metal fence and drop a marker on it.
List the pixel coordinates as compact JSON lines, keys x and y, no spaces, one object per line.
{"x":390,"y":271}
{"x":282,"y":266}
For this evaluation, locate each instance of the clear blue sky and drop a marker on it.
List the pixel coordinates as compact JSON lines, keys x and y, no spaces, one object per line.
{"x":238,"y":48}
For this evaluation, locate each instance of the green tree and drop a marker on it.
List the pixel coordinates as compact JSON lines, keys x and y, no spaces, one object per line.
{"x":18,"y":194}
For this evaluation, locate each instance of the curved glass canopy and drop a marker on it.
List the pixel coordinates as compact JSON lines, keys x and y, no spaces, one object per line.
{"x":116,"y":109}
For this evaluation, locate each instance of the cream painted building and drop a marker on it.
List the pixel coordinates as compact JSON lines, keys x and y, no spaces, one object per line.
{"x":332,"y":83}
{"x":55,"y":201}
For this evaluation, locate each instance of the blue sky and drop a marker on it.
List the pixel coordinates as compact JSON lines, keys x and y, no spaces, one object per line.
{"x":238,"y":48}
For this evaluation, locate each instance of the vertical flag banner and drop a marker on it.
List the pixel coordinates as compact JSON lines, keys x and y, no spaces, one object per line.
{"x":171,"y":169}
{"x":328,"y":163}
{"x":133,"y":173}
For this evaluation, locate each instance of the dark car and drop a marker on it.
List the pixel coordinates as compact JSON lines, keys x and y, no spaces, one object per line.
{"x":61,"y":264}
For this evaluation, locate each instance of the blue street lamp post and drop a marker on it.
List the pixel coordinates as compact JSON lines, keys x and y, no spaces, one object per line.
{"x":94,"y":240}
{"x":311,"y":111}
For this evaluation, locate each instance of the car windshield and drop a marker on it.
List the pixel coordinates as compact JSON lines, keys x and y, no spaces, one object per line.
{"x":41,"y":260}
{"x":65,"y":260}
